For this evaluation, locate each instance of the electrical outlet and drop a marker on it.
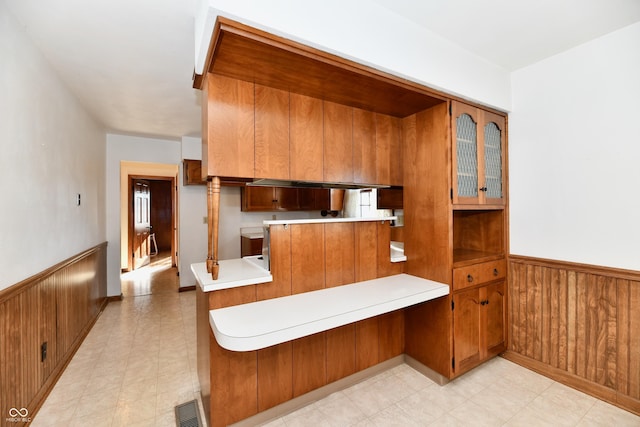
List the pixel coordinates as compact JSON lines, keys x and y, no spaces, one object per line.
{"x":43,"y":352}
{"x":79,"y":200}
{"x":204,"y":219}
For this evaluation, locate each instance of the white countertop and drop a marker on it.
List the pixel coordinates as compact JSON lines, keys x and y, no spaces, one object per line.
{"x":233,"y":273}
{"x":323,"y":220}
{"x":265,"y":323}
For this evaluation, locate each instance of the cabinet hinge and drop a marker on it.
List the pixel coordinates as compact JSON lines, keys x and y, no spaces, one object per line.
{"x":450,"y":112}
{"x":453,"y":363}
{"x":452,"y":304}
{"x":451,"y":193}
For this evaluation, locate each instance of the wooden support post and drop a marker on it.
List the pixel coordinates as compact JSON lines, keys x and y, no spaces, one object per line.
{"x":213,"y":215}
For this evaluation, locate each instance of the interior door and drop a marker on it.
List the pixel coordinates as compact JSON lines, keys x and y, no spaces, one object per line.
{"x":141,"y":223}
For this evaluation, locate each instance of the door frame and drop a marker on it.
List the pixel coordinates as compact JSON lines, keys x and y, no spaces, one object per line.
{"x":151,"y":171}
{"x":174,"y":219}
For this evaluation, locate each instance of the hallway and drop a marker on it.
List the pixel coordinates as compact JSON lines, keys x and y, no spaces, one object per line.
{"x":138,"y":361}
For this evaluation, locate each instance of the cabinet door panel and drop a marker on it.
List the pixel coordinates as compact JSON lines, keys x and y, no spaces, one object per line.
{"x":286,"y":199}
{"x":338,"y":147}
{"x":464,"y":123}
{"x":494,"y":312}
{"x":364,"y":146}
{"x":271,"y":133}
{"x":466,"y":329}
{"x":305,"y":127}
{"x":493,"y":164}
{"x":258,"y":198}
{"x":388,"y":150}
{"x":229,"y":135}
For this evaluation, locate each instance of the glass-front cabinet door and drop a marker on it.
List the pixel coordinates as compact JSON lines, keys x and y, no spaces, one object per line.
{"x":493,"y":158}
{"x":478,"y":156}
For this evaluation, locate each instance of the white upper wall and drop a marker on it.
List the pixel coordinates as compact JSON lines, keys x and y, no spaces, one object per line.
{"x":574,"y":151}
{"x":52,"y":150}
{"x":367,"y":33}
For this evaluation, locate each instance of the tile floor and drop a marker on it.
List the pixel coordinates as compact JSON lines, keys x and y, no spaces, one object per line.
{"x":139,"y":361}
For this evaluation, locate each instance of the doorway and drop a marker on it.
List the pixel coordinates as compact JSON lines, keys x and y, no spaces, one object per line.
{"x":163,"y":218}
{"x":152,"y":220}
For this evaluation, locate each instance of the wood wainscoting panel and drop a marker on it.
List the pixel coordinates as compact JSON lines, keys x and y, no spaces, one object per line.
{"x":57,"y":306}
{"x":307,"y":260}
{"x":339,"y":253}
{"x":275,"y":375}
{"x":579,"y":322}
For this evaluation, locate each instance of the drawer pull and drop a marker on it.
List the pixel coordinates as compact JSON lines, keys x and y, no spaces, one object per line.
{"x":495,"y":271}
{"x":469,"y":278}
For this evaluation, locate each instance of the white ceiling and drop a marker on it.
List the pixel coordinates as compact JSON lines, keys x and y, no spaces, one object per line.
{"x":130,"y":62}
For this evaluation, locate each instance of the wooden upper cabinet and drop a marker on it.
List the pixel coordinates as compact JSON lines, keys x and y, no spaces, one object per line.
{"x":228,"y":128}
{"x":192,"y":172}
{"x":377,"y":148}
{"x":364,"y":144}
{"x":338,"y":146}
{"x":305,"y":138}
{"x":256,"y":199}
{"x":271,"y":133}
{"x":388,"y":150}
{"x":478,"y":156}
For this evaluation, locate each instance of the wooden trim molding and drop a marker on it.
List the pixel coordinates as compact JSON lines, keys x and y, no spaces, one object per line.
{"x":57,"y":306}
{"x":577,"y":324}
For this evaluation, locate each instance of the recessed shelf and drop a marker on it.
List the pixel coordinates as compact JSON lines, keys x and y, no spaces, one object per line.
{"x":478,"y":236}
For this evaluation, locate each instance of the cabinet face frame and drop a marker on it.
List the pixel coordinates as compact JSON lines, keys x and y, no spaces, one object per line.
{"x":481,"y":118}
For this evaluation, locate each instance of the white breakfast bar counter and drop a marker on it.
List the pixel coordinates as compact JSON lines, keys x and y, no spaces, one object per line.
{"x":261,"y":324}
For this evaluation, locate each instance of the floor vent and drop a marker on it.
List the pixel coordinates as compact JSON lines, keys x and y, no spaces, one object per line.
{"x":187,"y":414}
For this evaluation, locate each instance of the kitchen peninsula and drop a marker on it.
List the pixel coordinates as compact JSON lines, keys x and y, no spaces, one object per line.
{"x":279,"y":110}
{"x":329,"y":313}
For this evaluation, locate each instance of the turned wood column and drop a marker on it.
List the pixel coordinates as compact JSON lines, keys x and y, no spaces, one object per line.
{"x":213,"y":216}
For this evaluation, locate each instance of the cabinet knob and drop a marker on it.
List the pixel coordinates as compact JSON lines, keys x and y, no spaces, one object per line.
{"x":469,"y":278}
{"x":483,"y":188}
{"x":495,"y":271}
{"x":484,"y":302}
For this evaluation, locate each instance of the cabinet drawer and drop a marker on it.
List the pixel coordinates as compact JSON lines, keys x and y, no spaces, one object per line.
{"x":476,"y":274}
